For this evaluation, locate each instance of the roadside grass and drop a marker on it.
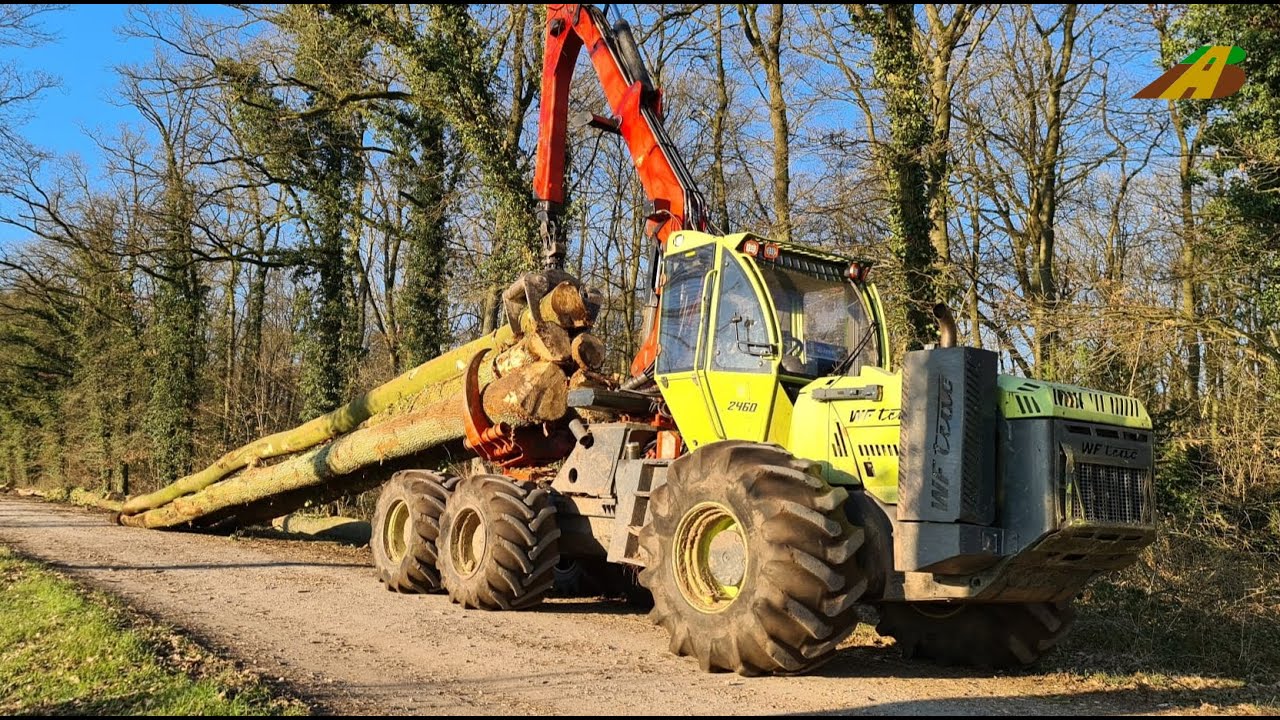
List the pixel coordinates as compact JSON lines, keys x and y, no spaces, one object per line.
{"x":65,"y":650}
{"x":1192,"y":612}
{"x":1193,"y":627}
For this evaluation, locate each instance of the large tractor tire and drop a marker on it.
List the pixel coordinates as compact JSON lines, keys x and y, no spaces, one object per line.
{"x":988,"y":635}
{"x":406,"y":525}
{"x":498,"y":543}
{"x":751,"y":560}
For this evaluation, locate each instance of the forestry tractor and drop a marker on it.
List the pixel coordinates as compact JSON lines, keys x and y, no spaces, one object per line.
{"x":766,"y":468}
{"x":767,"y":471}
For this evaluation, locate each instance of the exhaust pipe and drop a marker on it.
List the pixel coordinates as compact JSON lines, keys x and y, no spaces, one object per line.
{"x":947,"y":332}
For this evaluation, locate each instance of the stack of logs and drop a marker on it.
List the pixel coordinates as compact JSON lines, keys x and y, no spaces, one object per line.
{"x":523,"y":383}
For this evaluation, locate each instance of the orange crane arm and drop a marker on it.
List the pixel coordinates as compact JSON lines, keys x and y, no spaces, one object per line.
{"x":636,"y":107}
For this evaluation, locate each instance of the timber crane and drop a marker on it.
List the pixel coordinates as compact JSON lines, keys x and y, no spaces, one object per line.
{"x":636,"y":107}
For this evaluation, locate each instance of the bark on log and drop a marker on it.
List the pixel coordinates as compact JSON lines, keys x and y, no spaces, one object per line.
{"x":549,"y":342}
{"x":530,"y":395}
{"x":516,"y":356}
{"x":585,"y":377}
{"x":341,"y":529}
{"x":326,"y":427}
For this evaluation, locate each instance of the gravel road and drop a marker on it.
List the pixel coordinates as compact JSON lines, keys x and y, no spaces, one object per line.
{"x":312,"y":615}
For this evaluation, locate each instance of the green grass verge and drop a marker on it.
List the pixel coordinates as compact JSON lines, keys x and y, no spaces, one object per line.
{"x":68,"y":651}
{"x":1190,"y":605}
{"x":1195,"y":616}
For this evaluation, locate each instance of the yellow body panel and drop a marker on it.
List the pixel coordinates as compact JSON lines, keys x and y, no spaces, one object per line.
{"x":856,"y":440}
{"x":710,"y":404}
{"x":685,"y":399}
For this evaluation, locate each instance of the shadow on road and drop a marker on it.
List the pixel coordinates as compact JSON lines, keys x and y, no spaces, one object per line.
{"x":116,"y":567}
{"x":1091,"y":702}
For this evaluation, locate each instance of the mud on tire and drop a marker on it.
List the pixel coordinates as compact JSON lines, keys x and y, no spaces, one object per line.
{"x":498,"y":543}
{"x":793,"y":560}
{"x":988,"y":635}
{"x":406,"y":524}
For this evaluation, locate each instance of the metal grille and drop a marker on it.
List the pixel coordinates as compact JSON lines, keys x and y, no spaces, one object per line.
{"x":1110,"y":494}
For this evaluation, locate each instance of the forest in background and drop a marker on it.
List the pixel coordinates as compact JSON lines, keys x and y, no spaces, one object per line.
{"x":317,"y":197}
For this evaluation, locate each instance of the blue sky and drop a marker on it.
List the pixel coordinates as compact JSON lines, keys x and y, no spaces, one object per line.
{"x":88,"y":48}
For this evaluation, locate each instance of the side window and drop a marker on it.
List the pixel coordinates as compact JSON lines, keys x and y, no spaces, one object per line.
{"x":682,"y":308}
{"x":742,"y":336}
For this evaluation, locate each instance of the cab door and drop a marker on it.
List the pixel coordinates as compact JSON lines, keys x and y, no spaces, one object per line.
{"x":742,"y":357}
{"x":687,"y":292}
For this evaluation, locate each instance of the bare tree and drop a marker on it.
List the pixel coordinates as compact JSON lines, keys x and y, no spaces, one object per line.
{"x":766,"y":44}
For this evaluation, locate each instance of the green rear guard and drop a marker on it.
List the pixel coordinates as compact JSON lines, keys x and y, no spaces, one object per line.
{"x":860,"y":445}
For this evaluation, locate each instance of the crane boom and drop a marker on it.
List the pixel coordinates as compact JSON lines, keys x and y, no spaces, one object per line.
{"x":636,"y":107}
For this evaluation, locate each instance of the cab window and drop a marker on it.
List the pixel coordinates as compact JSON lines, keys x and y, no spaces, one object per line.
{"x":680,"y":320}
{"x":823,"y":321}
{"x":742,"y":335}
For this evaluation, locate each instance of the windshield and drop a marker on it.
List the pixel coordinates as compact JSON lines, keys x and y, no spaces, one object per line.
{"x":822,"y":320}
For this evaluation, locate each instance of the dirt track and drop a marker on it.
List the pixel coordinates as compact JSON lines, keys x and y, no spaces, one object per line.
{"x":312,"y":615}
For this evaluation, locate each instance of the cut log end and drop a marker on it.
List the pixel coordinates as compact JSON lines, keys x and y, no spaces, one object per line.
{"x":588,"y":351}
{"x":532,"y":394}
{"x":564,"y":306}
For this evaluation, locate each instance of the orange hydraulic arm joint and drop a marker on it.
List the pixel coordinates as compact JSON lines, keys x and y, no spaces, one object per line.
{"x":636,"y":107}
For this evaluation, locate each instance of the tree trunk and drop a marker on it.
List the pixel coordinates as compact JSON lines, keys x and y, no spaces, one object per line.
{"x":767,"y":47}
{"x":898,"y":74}
{"x":719,"y":118}
{"x":1188,"y":300}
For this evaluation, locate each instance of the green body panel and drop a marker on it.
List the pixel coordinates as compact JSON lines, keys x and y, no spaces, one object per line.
{"x":1022,"y":398}
{"x":857,"y":439}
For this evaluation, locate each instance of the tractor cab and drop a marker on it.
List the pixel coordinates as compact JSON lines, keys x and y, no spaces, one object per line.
{"x":746,"y":323}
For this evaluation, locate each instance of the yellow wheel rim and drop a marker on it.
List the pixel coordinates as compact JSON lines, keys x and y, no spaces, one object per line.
{"x":467,"y":542}
{"x":395,"y":531}
{"x":709,"y":557}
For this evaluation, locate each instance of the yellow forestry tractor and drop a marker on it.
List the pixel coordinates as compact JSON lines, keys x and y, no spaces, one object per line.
{"x":767,"y":470}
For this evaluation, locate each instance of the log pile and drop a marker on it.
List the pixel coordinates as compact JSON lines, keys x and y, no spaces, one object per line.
{"x":523,"y":382}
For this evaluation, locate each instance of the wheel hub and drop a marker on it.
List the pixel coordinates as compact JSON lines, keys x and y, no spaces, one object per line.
{"x":467,"y":542}
{"x":710,"y":557}
{"x":395,"y":531}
